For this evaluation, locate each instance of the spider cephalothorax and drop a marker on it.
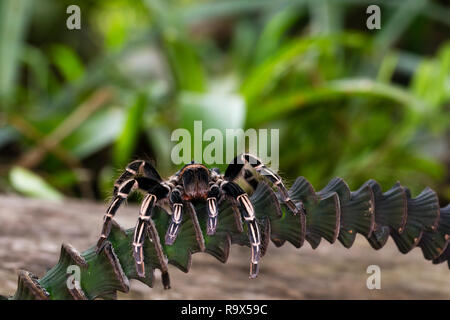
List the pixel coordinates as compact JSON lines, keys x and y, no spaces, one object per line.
{"x":193,"y":183}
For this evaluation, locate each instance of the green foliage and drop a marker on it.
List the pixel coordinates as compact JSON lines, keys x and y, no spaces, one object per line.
{"x":67,"y":62}
{"x":126,"y":142}
{"x":348,"y":101}
{"x":14,"y":16}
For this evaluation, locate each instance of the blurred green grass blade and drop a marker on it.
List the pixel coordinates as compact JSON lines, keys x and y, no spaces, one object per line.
{"x":67,"y":61}
{"x":215,"y":9}
{"x":96,"y":74}
{"x":186,"y":68}
{"x":126,"y":141}
{"x":163,"y":12}
{"x":38,"y":64}
{"x":266,"y":73}
{"x":387,"y":67}
{"x":275,"y":30}
{"x":397,"y":24}
{"x":244,"y":39}
{"x":424,"y":81}
{"x":184,"y":63}
{"x":326,"y":17}
{"x":283,"y":104}
{"x":99,"y":131}
{"x":226,"y":8}
{"x":431,"y":79}
{"x":158,"y":138}
{"x":444,"y":58}
{"x":30,"y":184}
{"x":115,"y":27}
{"x":14,"y":17}
{"x":432,"y":10}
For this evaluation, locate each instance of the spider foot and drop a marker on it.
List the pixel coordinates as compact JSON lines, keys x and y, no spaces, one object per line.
{"x":254,"y":270}
{"x":211,"y":226}
{"x":212,"y":209}
{"x":170,"y":238}
{"x":177,"y":217}
{"x":139,"y":261}
{"x":140,"y":269}
{"x":254,"y":266}
{"x":165,"y":280}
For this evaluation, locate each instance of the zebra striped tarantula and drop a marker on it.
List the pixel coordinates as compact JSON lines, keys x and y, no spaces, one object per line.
{"x":193,"y":183}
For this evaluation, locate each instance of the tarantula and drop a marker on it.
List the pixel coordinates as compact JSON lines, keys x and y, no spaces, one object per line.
{"x":192,"y":183}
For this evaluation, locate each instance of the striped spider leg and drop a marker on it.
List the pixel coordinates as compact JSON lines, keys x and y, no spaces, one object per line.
{"x":135,"y":168}
{"x":177,"y":215}
{"x":235,"y":191}
{"x":212,"y":209}
{"x":176,"y":200}
{"x":234,"y":170}
{"x":124,"y":185}
{"x":212,"y":200}
{"x":192,"y":183}
{"x":155,"y":193}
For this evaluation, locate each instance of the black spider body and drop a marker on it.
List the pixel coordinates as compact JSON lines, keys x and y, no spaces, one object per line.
{"x":192,"y":184}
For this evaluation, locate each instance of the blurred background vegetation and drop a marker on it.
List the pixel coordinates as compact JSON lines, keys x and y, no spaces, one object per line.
{"x":77,"y":105}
